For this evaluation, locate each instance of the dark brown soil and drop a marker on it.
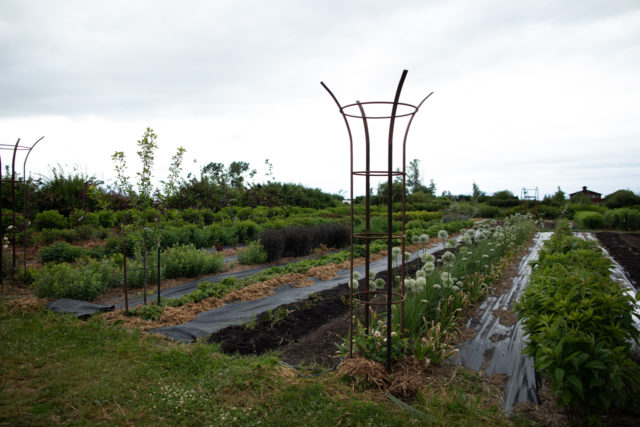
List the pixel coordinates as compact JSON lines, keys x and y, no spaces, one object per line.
{"x":307,"y":335}
{"x":625,"y":249}
{"x":274,"y":329}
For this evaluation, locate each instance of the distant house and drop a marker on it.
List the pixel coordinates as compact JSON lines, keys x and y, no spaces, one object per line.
{"x":595,"y":197}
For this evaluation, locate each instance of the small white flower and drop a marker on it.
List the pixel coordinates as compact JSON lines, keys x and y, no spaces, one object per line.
{"x":356,"y":275}
{"x":420,"y":273}
{"x":395,"y":252}
{"x":424,"y":238}
{"x":436,"y":286}
{"x":443,"y":235}
{"x":354,"y":284}
{"x":429,"y":267}
{"x":421,"y":282}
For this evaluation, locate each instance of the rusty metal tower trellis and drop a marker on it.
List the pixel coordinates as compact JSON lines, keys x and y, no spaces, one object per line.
{"x":386,"y":297}
{"x":15,"y":149}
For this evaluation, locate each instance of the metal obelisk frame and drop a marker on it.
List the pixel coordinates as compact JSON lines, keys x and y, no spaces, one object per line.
{"x":15,"y":148}
{"x":388,"y":296}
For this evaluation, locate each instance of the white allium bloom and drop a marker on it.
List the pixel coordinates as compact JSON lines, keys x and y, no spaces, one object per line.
{"x":372,"y":275}
{"x":354,"y":284}
{"x":455,"y":288}
{"x":485,"y":256}
{"x":415,"y":239}
{"x":429,"y":267}
{"x":436,"y":286}
{"x":459,"y":283}
{"x":421,"y":282}
{"x":442,"y":234}
{"x":424,"y":238}
{"x":428,"y":258}
{"x":424,"y":301}
{"x":451,"y":243}
{"x":379,"y":283}
{"x":356,"y":275}
{"x":395,"y":252}
{"x":407,"y":256}
{"x":448,"y":258}
{"x":420,"y":273}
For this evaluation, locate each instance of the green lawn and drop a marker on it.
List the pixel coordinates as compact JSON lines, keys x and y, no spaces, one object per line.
{"x":55,"y":369}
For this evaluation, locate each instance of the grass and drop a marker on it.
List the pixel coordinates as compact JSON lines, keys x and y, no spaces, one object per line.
{"x":56,"y":369}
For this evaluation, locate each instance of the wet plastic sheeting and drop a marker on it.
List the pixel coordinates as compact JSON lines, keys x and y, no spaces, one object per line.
{"x":242,"y":312}
{"x":82,"y":309}
{"x":496,"y":348}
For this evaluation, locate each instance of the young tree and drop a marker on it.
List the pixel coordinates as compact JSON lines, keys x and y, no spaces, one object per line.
{"x":414,"y":182}
{"x":146,"y":153}
{"x":120,"y":164}
{"x":171,"y":186}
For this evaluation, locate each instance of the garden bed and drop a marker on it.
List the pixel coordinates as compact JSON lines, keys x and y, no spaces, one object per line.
{"x":625,"y":249}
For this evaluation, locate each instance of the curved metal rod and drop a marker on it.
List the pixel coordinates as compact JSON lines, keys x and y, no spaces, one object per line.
{"x":346,"y":122}
{"x":394,"y":110}
{"x":367,"y":213}
{"x":24,"y":204}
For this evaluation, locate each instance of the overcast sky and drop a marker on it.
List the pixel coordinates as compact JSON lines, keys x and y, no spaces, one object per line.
{"x":526,"y":93}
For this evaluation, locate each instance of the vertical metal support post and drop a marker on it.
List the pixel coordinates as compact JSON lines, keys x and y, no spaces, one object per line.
{"x":124,"y":270}
{"x":158,"y":301}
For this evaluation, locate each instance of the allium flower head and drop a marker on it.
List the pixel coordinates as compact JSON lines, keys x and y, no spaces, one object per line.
{"x":424,"y":238}
{"x":429,"y":267}
{"x":420,"y":273}
{"x":428,"y":258}
{"x":443,"y":235}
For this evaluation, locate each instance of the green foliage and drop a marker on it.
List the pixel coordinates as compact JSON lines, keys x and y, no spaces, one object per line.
{"x":147,"y":312}
{"x":48,"y":236}
{"x":503,"y":199}
{"x":147,"y":147}
{"x":623,"y":219}
{"x":51,"y":219}
{"x":373,"y":345}
{"x":590,"y":220}
{"x":206,"y":290}
{"x":61,"y":252}
{"x":580,"y":326}
{"x":84,"y":282}
{"x":621,"y":199}
{"x":488,"y":211}
{"x":171,"y":186}
{"x":254,"y":253}
{"x":65,"y":192}
{"x":187,"y":261}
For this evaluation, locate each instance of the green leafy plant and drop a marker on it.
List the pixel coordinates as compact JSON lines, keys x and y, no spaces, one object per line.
{"x":61,"y":252}
{"x":254,"y":253}
{"x":51,"y":219}
{"x":580,"y":325}
{"x":187,"y":261}
{"x":84,"y":282}
{"x":148,"y":312}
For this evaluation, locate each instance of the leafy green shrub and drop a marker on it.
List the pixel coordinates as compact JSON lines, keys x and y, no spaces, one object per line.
{"x":61,"y":252}
{"x":113,"y":245}
{"x":51,"y":219}
{"x":84,"y":282}
{"x":580,"y":326}
{"x":252,"y":254}
{"x":86,"y":232}
{"x":48,"y":236}
{"x":623,"y":219}
{"x":136,"y":272}
{"x":106,"y":218}
{"x":621,"y":198}
{"x":187,"y":261}
{"x":488,"y":211}
{"x":587,"y":219}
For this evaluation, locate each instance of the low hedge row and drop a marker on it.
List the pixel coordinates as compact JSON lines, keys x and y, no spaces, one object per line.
{"x":300,"y":240}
